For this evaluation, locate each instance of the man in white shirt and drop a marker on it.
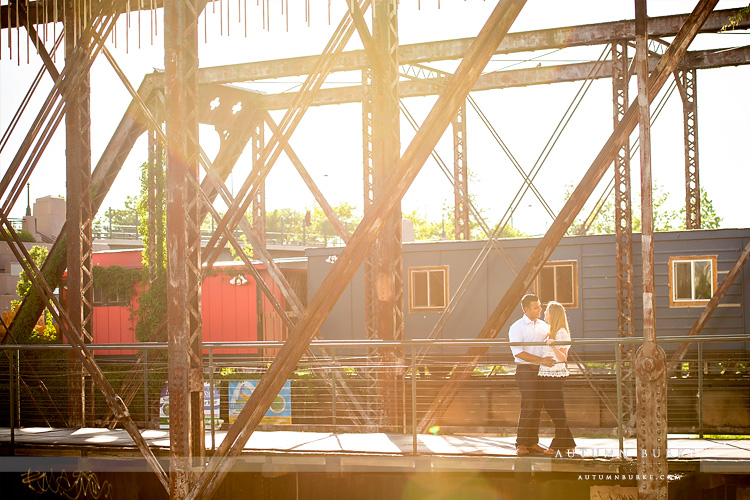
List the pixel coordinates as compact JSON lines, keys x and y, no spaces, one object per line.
{"x":530,"y":328}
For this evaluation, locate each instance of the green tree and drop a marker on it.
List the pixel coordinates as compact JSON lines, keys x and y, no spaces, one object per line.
{"x":23,"y":288}
{"x":152,"y":300}
{"x":664,"y":219}
{"x":128,"y":216}
{"x":444,"y":229}
{"x":37,"y":254}
{"x":23,"y":235}
{"x":288,"y":226}
{"x":709,"y":218}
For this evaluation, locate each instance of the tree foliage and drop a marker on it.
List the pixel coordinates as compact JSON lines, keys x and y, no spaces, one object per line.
{"x":152,"y":300}
{"x":664,"y":219}
{"x":45,"y":330}
{"x":735,"y":20}
{"x":445,"y":228}
{"x":37,"y":254}
{"x":23,"y":235}
{"x":128,"y":216}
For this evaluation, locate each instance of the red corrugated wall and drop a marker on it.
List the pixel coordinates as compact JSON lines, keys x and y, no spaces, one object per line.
{"x":113,"y":324}
{"x":229,"y":309}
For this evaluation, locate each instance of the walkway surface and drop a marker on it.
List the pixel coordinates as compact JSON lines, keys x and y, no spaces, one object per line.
{"x":275,"y":451}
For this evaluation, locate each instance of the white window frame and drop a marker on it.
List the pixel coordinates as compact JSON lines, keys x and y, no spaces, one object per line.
{"x":681,"y":302}
{"x":428,"y":269}
{"x":560,"y":263}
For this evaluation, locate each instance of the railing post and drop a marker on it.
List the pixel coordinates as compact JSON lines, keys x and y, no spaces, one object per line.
{"x":414,"y":399}
{"x":146,"y":413}
{"x":333,"y":385}
{"x":12,"y":396}
{"x":403,"y":403}
{"x":17,"y":381}
{"x":211,"y":395}
{"x":618,"y":377}
{"x":700,"y":390}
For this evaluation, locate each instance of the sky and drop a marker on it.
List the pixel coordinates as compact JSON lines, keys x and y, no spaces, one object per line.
{"x":328,"y":140}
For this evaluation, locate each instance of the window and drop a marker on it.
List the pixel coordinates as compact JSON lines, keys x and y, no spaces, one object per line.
{"x":109,"y":298}
{"x":558,"y":281}
{"x":428,"y":288}
{"x":692,"y":280}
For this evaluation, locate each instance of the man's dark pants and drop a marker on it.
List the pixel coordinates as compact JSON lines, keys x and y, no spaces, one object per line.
{"x":528,"y":421}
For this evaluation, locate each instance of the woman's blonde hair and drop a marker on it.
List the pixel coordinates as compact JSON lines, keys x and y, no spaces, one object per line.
{"x":557,"y":319}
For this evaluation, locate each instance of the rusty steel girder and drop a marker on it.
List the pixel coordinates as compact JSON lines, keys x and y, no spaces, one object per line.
{"x":687,"y":83}
{"x":369,"y":264}
{"x":183,"y":243}
{"x":526,"y":41}
{"x":369,"y":198}
{"x":651,"y":390}
{"x":79,"y":220}
{"x":460,"y":176}
{"x":544,"y":75}
{"x":386,"y":254}
{"x":624,"y":235}
{"x":259,"y":201}
{"x":651,"y":375}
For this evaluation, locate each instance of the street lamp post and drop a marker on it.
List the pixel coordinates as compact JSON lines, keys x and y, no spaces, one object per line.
{"x":28,"y":199}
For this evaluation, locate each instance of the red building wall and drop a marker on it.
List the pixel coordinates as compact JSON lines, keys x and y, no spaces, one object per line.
{"x":113,"y":324}
{"x":229,"y":301}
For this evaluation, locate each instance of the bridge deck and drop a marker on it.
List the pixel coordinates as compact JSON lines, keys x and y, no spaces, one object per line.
{"x":274,"y":452}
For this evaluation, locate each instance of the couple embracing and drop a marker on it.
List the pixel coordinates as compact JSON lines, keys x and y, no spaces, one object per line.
{"x":541,"y":372}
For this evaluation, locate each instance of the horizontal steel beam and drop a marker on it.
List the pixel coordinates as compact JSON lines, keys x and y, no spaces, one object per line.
{"x":37,"y":15}
{"x":544,"y":75}
{"x":527,"y":41}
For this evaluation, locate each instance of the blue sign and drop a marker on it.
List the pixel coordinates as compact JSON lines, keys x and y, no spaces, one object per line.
{"x":280,"y":411}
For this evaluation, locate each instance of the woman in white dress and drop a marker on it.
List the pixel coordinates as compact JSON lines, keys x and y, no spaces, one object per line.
{"x":554,"y":379}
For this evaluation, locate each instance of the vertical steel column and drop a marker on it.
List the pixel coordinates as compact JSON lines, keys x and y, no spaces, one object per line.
{"x":368,"y":181}
{"x":651,"y":380}
{"x":79,"y":218}
{"x":623,"y":237}
{"x":461,"y":175}
{"x":687,"y":83}
{"x":183,"y":243}
{"x":259,"y":201}
{"x":12,"y":402}
{"x":153,"y":162}
{"x":369,"y":194}
{"x":386,"y":151}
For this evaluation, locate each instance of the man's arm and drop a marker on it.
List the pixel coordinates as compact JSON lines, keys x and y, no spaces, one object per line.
{"x":528,"y":357}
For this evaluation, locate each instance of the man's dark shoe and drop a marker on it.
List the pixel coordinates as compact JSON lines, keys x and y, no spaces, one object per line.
{"x":537,"y":448}
{"x":522,"y":451}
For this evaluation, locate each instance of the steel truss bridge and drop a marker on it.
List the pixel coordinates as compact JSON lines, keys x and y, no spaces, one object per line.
{"x":168,"y":106}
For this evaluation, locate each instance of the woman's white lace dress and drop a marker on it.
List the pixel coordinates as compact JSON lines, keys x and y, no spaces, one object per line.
{"x":559,"y":369}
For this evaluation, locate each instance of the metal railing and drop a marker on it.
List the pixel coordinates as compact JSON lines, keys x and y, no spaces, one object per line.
{"x":341,"y":386}
{"x":325,"y":239}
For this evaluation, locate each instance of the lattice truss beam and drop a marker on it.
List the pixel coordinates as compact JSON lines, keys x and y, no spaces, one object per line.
{"x":688,"y":85}
{"x":237,"y":135}
{"x":624,"y":233}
